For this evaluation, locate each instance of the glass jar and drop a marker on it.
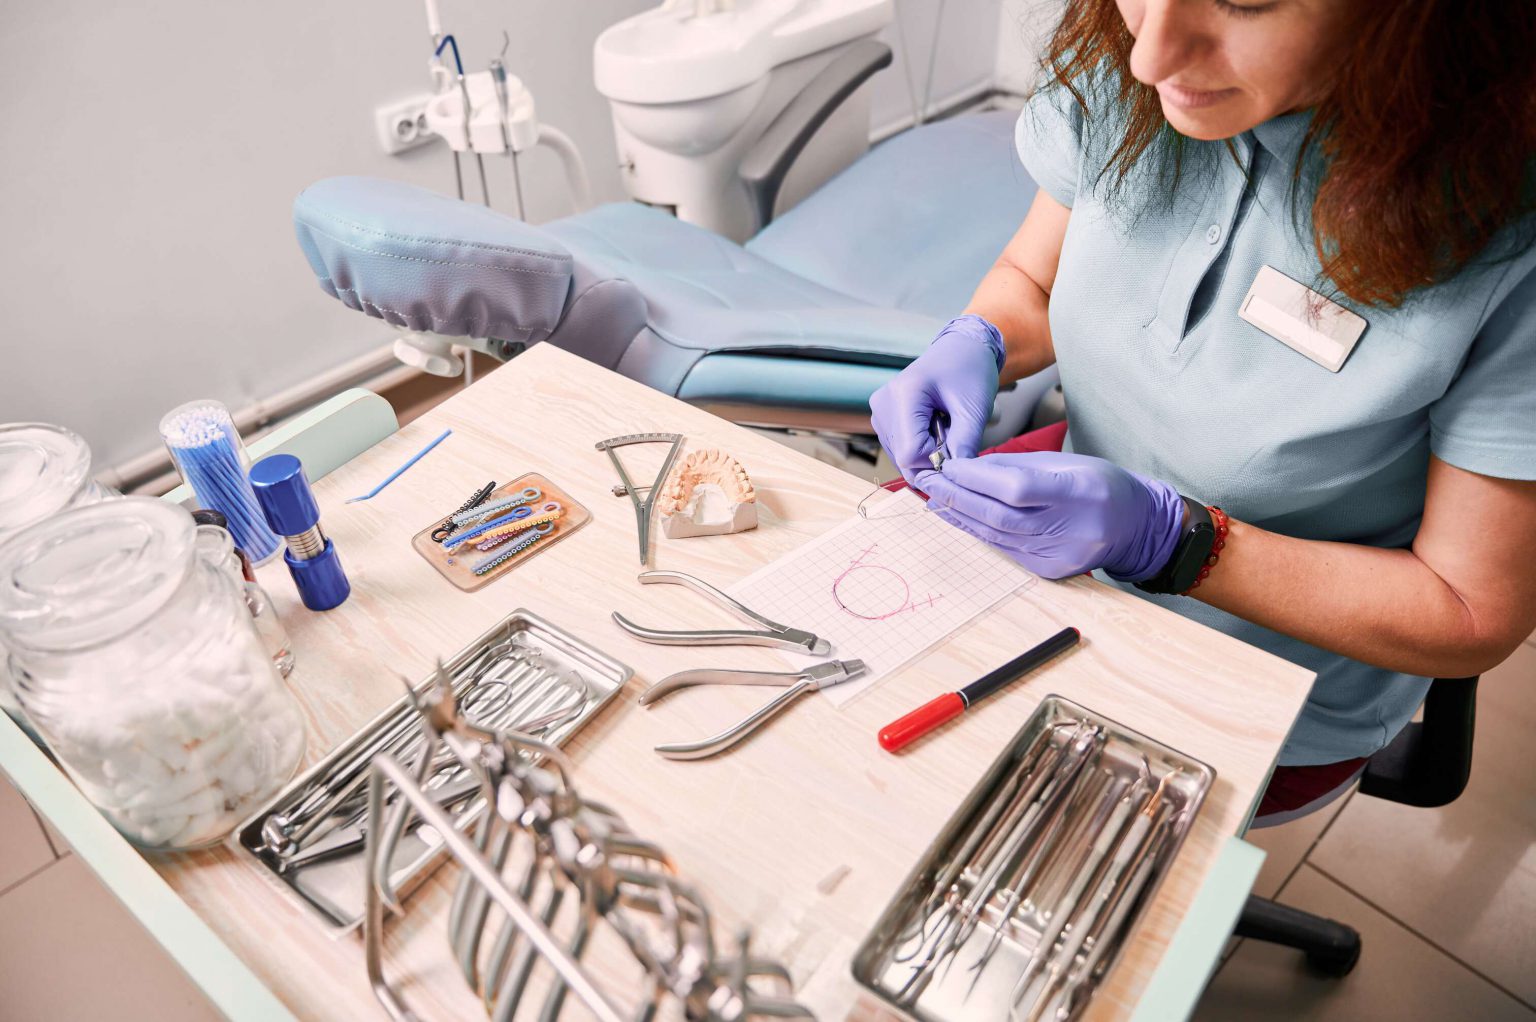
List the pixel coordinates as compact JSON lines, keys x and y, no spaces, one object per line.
{"x":138,"y":663}
{"x":216,"y":546}
{"x":43,"y":470}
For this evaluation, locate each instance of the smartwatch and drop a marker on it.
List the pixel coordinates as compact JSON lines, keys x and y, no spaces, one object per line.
{"x":1189,"y":556}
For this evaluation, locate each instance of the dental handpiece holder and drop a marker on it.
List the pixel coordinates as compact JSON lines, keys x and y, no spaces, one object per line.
{"x":289,"y":505}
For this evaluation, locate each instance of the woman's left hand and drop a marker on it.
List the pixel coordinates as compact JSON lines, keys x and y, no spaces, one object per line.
{"x":1061,"y":514}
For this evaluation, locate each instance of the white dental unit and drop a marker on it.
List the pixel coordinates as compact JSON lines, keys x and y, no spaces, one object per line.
{"x":694,"y":85}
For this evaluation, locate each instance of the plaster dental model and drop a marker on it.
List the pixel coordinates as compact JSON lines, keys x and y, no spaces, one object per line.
{"x":708,"y":495}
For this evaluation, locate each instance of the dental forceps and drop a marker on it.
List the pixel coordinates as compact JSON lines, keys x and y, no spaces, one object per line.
{"x":794,"y":683}
{"x":774,"y":634}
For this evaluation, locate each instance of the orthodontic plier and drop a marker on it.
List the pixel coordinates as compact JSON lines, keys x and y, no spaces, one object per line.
{"x":795,"y":683}
{"x":775,"y":635}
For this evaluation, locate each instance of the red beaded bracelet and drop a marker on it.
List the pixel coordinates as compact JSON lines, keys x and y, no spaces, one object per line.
{"x":1219,"y":517}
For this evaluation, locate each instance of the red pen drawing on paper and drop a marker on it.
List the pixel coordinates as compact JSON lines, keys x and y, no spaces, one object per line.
{"x":875,"y":592}
{"x":884,"y":589}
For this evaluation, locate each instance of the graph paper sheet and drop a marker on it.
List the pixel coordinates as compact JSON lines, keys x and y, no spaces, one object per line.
{"x":884,"y":589}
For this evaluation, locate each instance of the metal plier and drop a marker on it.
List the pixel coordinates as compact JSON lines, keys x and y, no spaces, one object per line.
{"x":776,"y":635}
{"x":795,"y":684}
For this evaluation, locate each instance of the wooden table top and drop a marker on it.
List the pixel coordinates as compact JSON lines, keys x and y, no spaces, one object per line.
{"x":805,"y":832}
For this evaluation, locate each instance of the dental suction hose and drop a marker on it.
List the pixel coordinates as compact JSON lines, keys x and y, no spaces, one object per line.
{"x":289,"y":505}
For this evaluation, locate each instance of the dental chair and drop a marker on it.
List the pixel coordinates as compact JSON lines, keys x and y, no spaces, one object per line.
{"x":792,"y":330}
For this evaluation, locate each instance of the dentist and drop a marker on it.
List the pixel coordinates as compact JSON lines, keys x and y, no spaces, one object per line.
{"x":1282,"y":255}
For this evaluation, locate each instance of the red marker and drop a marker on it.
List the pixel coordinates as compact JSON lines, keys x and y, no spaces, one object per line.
{"x":951,"y":704}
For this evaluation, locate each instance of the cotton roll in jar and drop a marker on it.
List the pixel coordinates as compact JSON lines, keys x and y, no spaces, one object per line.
{"x":138,"y":663}
{"x":44,"y":470}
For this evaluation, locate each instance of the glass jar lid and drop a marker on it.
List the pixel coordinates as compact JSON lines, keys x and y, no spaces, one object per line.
{"x":42,"y":469}
{"x":93,"y":573}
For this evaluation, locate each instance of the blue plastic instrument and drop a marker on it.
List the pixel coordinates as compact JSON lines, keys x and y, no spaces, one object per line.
{"x":397,"y":473}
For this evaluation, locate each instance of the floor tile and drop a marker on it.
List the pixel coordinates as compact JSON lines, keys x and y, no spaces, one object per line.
{"x":1399,"y":976}
{"x":68,"y":950}
{"x":1287,"y":845}
{"x":1463,"y":876}
{"x":23,"y":848}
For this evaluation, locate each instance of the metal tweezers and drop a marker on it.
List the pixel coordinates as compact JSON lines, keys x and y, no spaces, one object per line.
{"x":776,"y":635}
{"x":795,"y":683}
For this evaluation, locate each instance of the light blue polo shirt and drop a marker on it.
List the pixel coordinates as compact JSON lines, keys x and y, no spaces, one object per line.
{"x":1161,"y":376}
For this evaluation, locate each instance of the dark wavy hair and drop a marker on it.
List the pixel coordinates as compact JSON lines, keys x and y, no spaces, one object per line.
{"x":1426,"y":133}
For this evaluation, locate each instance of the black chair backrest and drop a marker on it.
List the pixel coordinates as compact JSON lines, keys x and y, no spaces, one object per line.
{"x":1428,"y":764}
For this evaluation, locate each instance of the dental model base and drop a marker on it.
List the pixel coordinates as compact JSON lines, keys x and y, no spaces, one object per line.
{"x":794,"y":683}
{"x":774,"y":634}
{"x":709,"y":495}
{"x":626,"y":488}
{"x":548,"y":874}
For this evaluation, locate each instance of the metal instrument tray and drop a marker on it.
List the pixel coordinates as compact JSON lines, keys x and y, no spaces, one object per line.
{"x":954,"y":989}
{"x":334,"y":889}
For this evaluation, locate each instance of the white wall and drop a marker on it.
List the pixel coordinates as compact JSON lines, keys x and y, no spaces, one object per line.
{"x":151,"y":153}
{"x":1024,"y":28}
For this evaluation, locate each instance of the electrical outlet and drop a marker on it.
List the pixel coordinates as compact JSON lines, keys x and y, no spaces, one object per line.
{"x":403,"y":125}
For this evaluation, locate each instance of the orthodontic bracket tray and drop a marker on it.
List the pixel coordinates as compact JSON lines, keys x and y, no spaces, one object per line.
{"x":795,"y":683}
{"x":774,"y":634}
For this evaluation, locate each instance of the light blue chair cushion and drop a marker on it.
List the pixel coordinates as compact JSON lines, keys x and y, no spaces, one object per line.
{"x":816,"y":312}
{"x":830,"y":300}
{"x":706,"y":295}
{"x":426,"y":262}
{"x":916,"y":222}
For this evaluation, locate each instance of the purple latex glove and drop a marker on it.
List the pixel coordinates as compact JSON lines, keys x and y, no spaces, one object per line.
{"x":1062,"y":514}
{"x":957,"y":376}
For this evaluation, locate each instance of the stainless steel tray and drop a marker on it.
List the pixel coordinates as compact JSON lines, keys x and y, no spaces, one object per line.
{"x":333,"y":889}
{"x":899,"y":960}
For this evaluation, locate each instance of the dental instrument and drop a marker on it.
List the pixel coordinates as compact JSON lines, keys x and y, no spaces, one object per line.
{"x":1105,"y":927}
{"x":289,"y":505}
{"x":643,"y":505}
{"x":773,"y":634}
{"x":203,"y":442}
{"x":499,"y":80}
{"x":522,"y":674}
{"x":908,"y":729}
{"x":1109,"y":833}
{"x":540,"y":846}
{"x":397,"y":473}
{"x":1035,"y":882}
{"x":795,"y":683}
{"x":939,"y":430}
{"x":448,"y":41}
{"x":1125,"y":847}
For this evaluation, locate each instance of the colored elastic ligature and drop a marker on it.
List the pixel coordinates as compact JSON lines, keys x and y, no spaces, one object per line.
{"x":450,"y":525}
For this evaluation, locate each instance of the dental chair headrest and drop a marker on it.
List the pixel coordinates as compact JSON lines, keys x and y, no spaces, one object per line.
{"x":427,"y":262}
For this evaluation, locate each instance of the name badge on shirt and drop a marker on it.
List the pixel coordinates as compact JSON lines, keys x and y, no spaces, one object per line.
{"x":1301,"y":319}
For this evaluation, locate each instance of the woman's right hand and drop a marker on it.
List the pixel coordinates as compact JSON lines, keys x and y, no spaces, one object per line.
{"x":957,"y":376}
